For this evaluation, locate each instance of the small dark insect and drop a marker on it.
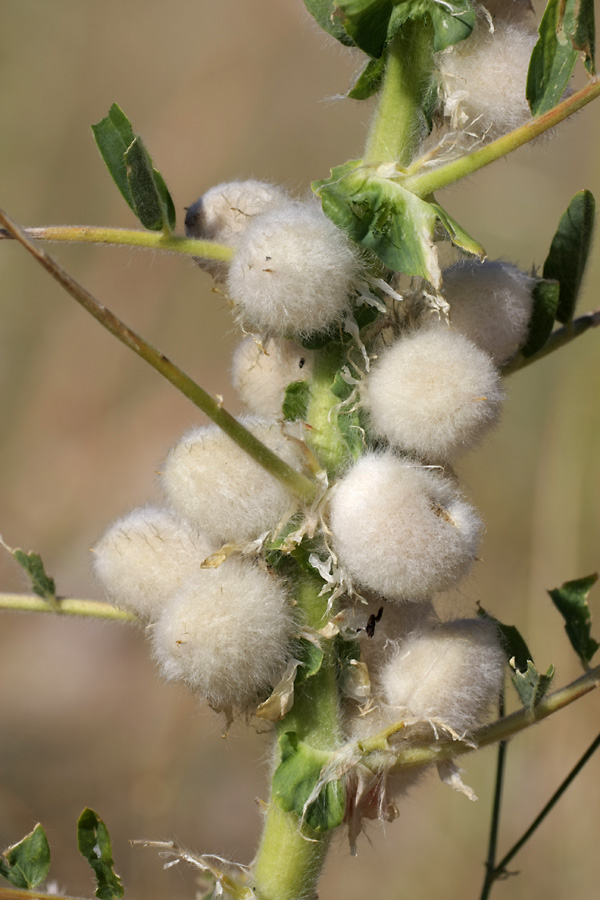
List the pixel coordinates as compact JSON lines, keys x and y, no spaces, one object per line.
{"x":301,"y":362}
{"x":373,"y":620}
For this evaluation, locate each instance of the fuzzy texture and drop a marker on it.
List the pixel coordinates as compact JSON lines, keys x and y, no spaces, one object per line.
{"x":261,"y":373}
{"x":216,"y":486}
{"x":482,"y":79}
{"x":508,"y":10}
{"x":448,"y":675}
{"x":433,"y":393}
{"x":402,"y":530}
{"x":145,"y":558}
{"x":226,"y":634}
{"x":491,"y":304}
{"x":293,"y":271}
{"x":224,"y":211}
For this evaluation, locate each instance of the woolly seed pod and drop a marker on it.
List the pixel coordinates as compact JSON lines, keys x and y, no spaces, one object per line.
{"x":402,"y":530}
{"x":224,"y":211}
{"x":434,"y":393}
{"x":261,"y":373}
{"x":217,"y":487}
{"x":144,"y":559}
{"x":509,"y":10}
{"x":482,"y":79}
{"x":491,"y":304}
{"x":451,"y":674}
{"x":226,"y":634}
{"x":293,"y":271}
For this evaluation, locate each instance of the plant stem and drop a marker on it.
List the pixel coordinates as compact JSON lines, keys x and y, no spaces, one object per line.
{"x":94,"y":609}
{"x":127,"y":237}
{"x":324,"y":436}
{"x":398,"y":123}
{"x":425,"y":183}
{"x":495,"y":823}
{"x":14,"y":894}
{"x":291,"y":855}
{"x":297,"y":483}
{"x":559,"y":338}
{"x":500,"y":868}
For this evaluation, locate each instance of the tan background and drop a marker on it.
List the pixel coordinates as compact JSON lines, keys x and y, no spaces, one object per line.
{"x":219,"y":90}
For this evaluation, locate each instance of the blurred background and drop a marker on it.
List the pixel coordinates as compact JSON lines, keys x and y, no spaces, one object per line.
{"x":221,"y":91}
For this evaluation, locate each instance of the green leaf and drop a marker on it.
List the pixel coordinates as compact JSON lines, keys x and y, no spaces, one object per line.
{"x":311,"y":658}
{"x":381,"y":215}
{"x":566,"y":29}
{"x":114,"y":135}
{"x":369,"y":80}
{"x":326,"y":14}
{"x":26,"y":864}
{"x":93,"y":841}
{"x":513,"y":643}
{"x":148,"y":189}
{"x":571,"y":602}
{"x":569,"y":251}
{"x":296,"y":778}
{"x":296,"y":400}
{"x":41,"y":583}
{"x":545,"y":304}
{"x":532,"y":685}
{"x":130,"y":165}
{"x":373,"y":23}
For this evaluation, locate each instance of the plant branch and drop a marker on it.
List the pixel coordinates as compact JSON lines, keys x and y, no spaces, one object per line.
{"x":499,"y":870}
{"x":557,"y":339}
{"x":126,"y":237}
{"x":14,"y":894}
{"x":94,"y":609}
{"x":293,"y":480}
{"x":376,"y":750}
{"x":425,"y":183}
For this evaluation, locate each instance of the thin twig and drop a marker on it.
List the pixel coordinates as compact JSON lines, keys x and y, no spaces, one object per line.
{"x":297,"y":483}
{"x":94,"y":609}
{"x":126,"y":237}
{"x":501,"y":867}
{"x":490,"y":863}
{"x":557,"y":339}
{"x":14,"y":894}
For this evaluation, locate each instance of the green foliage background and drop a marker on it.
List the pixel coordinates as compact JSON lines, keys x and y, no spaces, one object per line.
{"x":223,"y":90}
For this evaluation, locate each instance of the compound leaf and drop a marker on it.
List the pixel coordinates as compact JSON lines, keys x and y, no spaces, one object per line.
{"x":26,"y":864}
{"x":130,"y":165}
{"x":569,"y":252}
{"x":93,"y":841}
{"x":571,"y":601}
{"x":296,"y":780}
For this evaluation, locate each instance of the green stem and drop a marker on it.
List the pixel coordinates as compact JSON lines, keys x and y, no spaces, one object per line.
{"x":324,"y":436}
{"x":94,"y":609}
{"x":398,"y":124}
{"x":500,"y":868}
{"x":298,"y":484}
{"x":559,"y":338}
{"x":14,"y":894}
{"x":127,"y":237}
{"x":290,"y":857}
{"x":425,"y":183}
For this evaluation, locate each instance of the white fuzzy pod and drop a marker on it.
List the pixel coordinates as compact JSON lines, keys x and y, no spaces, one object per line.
{"x":293,"y":271}
{"x":402,"y":530}
{"x":433,"y":393}
{"x":216,"y":486}
{"x":491,"y":304}
{"x":261,"y":373}
{"x":224,"y":211}
{"x":226,"y":634}
{"x":482,"y":79}
{"x":450,"y":674}
{"x":509,"y":10}
{"x":145,"y":558}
